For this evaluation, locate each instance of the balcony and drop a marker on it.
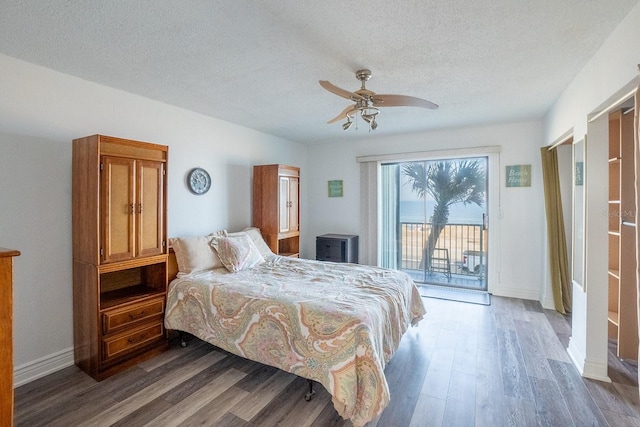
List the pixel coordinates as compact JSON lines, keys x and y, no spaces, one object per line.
{"x":459,"y":257}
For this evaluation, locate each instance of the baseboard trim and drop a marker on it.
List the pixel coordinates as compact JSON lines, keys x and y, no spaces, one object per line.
{"x":576,"y":356}
{"x":596,"y":371}
{"x":41,"y":367}
{"x":587,"y":369}
{"x":549,"y":304}
{"x":502,"y":291}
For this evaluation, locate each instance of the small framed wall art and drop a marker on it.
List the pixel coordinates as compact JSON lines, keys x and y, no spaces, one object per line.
{"x":518,"y":176}
{"x":335,"y":188}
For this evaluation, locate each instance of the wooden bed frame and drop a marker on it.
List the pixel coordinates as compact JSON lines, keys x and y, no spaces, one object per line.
{"x":172,"y":267}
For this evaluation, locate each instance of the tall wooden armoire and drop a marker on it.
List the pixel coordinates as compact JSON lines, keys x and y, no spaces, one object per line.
{"x":276,"y":207}
{"x":119,"y":252}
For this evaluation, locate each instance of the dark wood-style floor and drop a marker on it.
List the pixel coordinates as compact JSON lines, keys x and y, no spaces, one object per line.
{"x":464,"y":365}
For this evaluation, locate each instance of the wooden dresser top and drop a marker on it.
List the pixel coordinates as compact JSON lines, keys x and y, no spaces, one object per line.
{"x":4,"y":252}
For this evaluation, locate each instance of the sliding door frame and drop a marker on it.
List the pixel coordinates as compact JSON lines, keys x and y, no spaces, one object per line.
{"x":370,"y":210}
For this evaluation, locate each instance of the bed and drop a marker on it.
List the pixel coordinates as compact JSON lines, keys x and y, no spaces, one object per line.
{"x":336,"y":324}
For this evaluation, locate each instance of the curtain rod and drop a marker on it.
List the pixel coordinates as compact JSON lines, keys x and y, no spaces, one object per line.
{"x":613,"y":105}
{"x":420,"y":155}
{"x":563,"y":140}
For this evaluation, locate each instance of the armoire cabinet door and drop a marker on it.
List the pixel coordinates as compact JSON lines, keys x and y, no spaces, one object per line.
{"x":118,"y":210}
{"x":284,"y":205}
{"x":149,"y":208}
{"x":294,"y":192}
{"x":289,"y":190}
{"x":132,"y":208}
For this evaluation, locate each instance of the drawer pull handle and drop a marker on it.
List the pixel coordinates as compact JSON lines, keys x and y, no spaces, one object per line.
{"x":137,"y":339}
{"x":138,"y":316}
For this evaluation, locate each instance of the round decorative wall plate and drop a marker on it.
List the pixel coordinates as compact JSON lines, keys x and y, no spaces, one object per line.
{"x":198,"y":181}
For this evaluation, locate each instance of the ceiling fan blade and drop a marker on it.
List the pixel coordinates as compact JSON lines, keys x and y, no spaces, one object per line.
{"x":342,"y":115}
{"x":402,"y":101}
{"x":340,"y":92}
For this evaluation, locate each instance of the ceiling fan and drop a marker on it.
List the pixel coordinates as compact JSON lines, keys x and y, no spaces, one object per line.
{"x":368,"y":103}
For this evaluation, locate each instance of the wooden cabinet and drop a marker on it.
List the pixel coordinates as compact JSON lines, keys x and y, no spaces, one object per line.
{"x":337,"y":248}
{"x":132,"y":208}
{"x":622,"y":317}
{"x":119,"y":252}
{"x":6,"y":334}
{"x":276,"y":207}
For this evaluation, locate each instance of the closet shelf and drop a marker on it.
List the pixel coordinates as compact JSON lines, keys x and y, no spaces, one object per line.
{"x":622,"y":294}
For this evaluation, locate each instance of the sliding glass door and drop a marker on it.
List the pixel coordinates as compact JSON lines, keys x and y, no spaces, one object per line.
{"x":434,"y":220}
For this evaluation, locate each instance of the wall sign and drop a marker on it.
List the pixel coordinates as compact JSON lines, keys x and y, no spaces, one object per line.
{"x":518,"y":176}
{"x":335,"y":188}
{"x":579,"y":173}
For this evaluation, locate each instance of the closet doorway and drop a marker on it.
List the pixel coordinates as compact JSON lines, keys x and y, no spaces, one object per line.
{"x":622,"y":283}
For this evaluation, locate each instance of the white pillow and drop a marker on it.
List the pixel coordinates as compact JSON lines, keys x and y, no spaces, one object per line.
{"x":195,"y":253}
{"x":258,"y":240}
{"x":237,"y":252}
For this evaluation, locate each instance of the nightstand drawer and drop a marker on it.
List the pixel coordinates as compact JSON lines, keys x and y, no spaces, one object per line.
{"x":116,"y":319}
{"x":122,"y":344}
{"x":337,"y":248}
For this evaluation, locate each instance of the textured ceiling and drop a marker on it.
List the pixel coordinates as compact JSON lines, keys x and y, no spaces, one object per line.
{"x":257,"y":63}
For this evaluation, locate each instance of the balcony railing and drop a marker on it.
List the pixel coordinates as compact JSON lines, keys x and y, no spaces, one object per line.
{"x":464,"y":244}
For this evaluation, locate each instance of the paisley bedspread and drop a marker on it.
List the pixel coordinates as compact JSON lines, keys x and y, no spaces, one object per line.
{"x":337,"y":324}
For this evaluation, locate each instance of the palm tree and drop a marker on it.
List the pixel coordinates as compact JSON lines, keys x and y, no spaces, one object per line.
{"x":447,"y":182}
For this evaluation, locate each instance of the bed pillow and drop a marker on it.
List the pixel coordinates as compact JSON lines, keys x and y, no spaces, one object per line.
{"x":237,"y":252}
{"x":258,"y":240}
{"x":195,"y":253}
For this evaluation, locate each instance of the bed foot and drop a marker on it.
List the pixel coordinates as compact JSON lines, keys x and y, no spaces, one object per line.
{"x":311,"y":391}
{"x":183,"y":342}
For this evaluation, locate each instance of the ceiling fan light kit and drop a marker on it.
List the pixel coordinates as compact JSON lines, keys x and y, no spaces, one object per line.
{"x":368,"y":103}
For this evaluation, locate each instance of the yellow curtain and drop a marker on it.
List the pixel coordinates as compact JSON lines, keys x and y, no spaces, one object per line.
{"x":557,"y":241}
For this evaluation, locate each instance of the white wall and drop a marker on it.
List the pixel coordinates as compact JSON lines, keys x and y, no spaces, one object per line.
{"x":609,"y":74}
{"x":519,"y":223}
{"x":41,"y":111}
